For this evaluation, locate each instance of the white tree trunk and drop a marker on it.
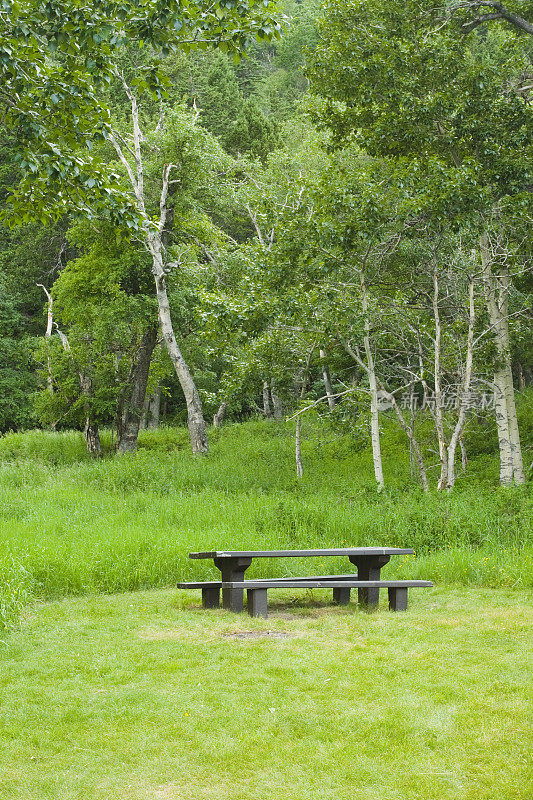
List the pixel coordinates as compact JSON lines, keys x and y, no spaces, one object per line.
{"x":153,"y":233}
{"x":497,"y":297}
{"x":298,"y":447}
{"x":195,"y":417}
{"x":409,"y":431}
{"x":465,"y":393}
{"x":267,"y":409}
{"x":374,"y":413}
{"x":219,"y":416}
{"x":327,"y":380}
{"x":47,"y":337}
{"x":439,"y":410}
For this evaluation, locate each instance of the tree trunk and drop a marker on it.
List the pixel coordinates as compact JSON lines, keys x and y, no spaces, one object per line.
{"x":374,"y":413}
{"x":219,"y":416}
{"x":92,"y":434}
{"x":195,"y":417}
{"x":267,"y":409}
{"x":47,"y":337}
{"x":298,"y":446}
{"x":439,"y":411}
{"x":464,"y":455}
{"x":154,"y":235}
{"x":497,"y":297}
{"x":276,"y":403}
{"x":465,"y":393}
{"x":92,"y":438}
{"x":154,"y":409}
{"x":409,"y":431}
{"x":133,"y":412}
{"x":327,"y":381}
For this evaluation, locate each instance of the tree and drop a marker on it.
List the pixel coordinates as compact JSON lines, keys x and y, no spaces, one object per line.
{"x":60,"y":109}
{"x":473,"y":13}
{"x":252,"y":134}
{"x":57,"y":58}
{"x":446,"y":109}
{"x":17,"y":380}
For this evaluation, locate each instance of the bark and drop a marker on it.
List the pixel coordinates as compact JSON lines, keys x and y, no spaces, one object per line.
{"x":497,"y":297}
{"x":267,"y":409}
{"x":327,"y":380}
{"x":276,"y":403}
{"x":495,"y":11}
{"x":92,"y":435}
{"x":219,"y":416}
{"x":465,"y":392}
{"x":47,"y":337}
{"x":464,"y":456}
{"x":154,"y":409}
{"x":92,"y":438}
{"x":298,"y":431}
{"x":298,"y":447}
{"x":130,"y":418}
{"x":439,"y":411}
{"x":397,"y":410}
{"x":195,"y":417}
{"x":409,"y":431}
{"x":374,"y":413}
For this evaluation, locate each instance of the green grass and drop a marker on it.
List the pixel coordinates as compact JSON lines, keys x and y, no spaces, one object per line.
{"x":145,"y":696}
{"x":78,"y":525}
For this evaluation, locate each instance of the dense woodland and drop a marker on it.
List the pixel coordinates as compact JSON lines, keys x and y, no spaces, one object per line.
{"x":328,"y":215}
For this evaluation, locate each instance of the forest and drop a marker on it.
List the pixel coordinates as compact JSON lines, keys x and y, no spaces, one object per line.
{"x":332,"y":223}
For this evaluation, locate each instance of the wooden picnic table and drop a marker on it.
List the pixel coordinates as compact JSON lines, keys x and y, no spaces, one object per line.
{"x":234,"y":563}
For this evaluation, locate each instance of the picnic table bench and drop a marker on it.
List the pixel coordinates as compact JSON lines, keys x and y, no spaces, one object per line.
{"x":368,"y":560}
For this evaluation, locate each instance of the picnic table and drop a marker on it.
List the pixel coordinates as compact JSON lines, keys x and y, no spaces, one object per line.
{"x":234,"y":563}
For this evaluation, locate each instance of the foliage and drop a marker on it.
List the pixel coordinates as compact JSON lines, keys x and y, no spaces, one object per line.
{"x":16,"y":368}
{"x":452,"y":115}
{"x":56,"y":59}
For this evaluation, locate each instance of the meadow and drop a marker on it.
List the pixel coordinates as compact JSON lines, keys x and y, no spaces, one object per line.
{"x":146,"y":696}
{"x":72,"y":525}
{"x":114,"y":686}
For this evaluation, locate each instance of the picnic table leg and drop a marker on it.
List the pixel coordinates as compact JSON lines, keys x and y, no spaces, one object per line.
{"x":210,"y":598}
{"x":369,"y":569}
{"x":233,"y":569}
{"x":257,"y":602}
{"x":341,"y":596}
{"x":398,"y":599}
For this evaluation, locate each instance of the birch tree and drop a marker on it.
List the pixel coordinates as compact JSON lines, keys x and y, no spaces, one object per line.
{"x":496,"y":284}
{"x":460,"y":155}
{"x":187,"y":158}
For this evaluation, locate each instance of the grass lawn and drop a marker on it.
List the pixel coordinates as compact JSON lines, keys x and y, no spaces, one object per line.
{"x":145,"y":695}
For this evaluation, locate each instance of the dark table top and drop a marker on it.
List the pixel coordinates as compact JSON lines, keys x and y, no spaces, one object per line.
{"x":335,"y":551}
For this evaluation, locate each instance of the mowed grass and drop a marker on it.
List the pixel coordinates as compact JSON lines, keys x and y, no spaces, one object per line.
{"x":145,"y":696}
{"x":123,"y":523}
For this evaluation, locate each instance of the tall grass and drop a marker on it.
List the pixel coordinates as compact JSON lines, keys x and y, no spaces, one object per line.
{"x":14,"y":590}
{"x":128,"y":522}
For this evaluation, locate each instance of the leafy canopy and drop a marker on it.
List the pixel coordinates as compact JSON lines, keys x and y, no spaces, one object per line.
{"x":58,"y":56}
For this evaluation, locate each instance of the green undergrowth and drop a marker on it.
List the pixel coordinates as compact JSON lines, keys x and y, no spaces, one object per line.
{"x":128,"y":522}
